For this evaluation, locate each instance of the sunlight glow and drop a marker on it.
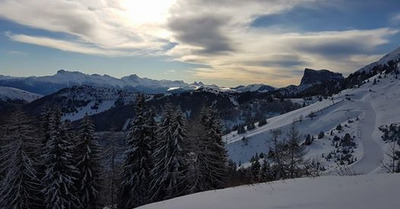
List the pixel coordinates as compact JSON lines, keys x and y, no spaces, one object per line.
{"x":147,"y":11}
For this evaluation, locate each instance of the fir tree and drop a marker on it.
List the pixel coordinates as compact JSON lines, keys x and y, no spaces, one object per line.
{"x":214,"y":146}
{"x":295,"y":152}
{"x":88,"y":165}
{"x":137,"y":163}
{"x":60,"y":170}
{"x":21,"y":185}
{"x":111,"y":170}
{"x":262,"y":122}
{"x":196,"y":177}
{"x":255,"y":169}
{"x":277,"y":152}
{"x":169,"y":155}
{"x":266,"y":171}
{"x":241,"y":129}
{"x":45,"y":131}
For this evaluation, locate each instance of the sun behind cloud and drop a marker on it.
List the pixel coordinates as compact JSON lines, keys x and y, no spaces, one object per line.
{"x":147,"y":12}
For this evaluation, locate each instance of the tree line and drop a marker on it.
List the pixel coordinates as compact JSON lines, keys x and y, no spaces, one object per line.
{"x":48,"y":164}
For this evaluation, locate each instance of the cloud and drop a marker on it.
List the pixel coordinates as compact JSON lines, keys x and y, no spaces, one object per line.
{"x":204,"y":33}
{"x":267,"y":57}
{"x":217,"y":35}
{"x":17,"y":53}
{"x":105,"y":24}
{"x":59,"y":44}
{"x":277,"y":61}
{"x":341,"y":44}
{"x":396,"y":18}
{"x":265,"y":54}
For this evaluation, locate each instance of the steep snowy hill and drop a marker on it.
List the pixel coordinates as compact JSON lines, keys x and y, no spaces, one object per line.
{"x":330,"y":192}
{"x":8,"y":93}
{"x":359,"y":111}
{"x":392,"y":56}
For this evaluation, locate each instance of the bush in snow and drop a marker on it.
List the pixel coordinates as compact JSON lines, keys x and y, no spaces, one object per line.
{"x":251,"y":126}
{"x":321,"y":135}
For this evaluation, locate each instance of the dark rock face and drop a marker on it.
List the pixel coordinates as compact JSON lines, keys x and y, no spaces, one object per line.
{"x":311,"y":76}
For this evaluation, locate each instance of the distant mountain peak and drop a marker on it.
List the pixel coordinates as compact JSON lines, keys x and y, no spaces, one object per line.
{"x":62,"y":71}
{"x":132,"y":76}
{"x":198,"y":83}
{"x":312,"y":76}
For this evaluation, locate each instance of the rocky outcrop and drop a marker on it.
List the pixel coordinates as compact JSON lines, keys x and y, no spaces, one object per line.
{"x":312,"y":77}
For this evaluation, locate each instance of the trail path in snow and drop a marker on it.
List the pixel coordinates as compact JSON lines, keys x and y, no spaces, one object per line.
{"x":373,"y":154}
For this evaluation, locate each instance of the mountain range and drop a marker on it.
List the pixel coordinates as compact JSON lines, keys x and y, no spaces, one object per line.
{"x":45,"y":85}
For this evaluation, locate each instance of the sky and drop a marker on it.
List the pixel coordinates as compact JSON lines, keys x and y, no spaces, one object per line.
{"x":224,"y":42}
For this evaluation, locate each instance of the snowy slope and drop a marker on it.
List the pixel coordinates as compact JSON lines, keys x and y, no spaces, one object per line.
{"x":8,"y":93}
{"x":80,"y":100}
{"x":372,"y":104}
{"x":253,"y":88}
{"x":102,"y":106}
{"x":330,"y":192}
{"x":98,"y":99}
{"x":394,"y":55}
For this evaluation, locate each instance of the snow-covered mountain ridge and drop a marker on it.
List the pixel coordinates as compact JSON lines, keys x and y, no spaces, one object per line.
{"x":392,"y":56}
{"x":45,"y":85}
{"x":63,"y":79}
{"x":9,"y":93}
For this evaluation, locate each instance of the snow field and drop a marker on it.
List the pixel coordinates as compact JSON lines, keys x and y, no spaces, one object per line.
{"x":328,"y":192}
{"x":372,"y":104}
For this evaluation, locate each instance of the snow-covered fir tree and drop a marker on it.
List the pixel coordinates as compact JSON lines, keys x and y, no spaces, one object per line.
{"x":169,"y":155}
{"x":21,"y":186}
{"x":111,"y":169}
{"x":88,"y":164}
{"x":44,"y":132}
{"x":214,"y":148}
{"x":4,"y":140}
{"x":135,"y":190}
{"x":197,"y":160}
{"x":59,"y":190}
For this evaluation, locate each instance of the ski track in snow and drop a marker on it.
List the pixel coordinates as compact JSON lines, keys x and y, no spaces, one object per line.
{"x":373,"y":153}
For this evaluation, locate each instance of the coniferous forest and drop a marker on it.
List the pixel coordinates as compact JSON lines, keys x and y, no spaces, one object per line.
{"x":47,"y":162}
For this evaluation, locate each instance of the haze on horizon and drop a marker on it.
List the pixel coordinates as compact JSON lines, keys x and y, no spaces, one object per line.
{"x":225,"y":42}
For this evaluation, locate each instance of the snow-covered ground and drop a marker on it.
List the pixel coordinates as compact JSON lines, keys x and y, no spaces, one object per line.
{"x":329,"y":192}
{"x":8,"y":93}
{"x":96,"y":100}
{"x":103,"y":106}
{"x":367,"y":107}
